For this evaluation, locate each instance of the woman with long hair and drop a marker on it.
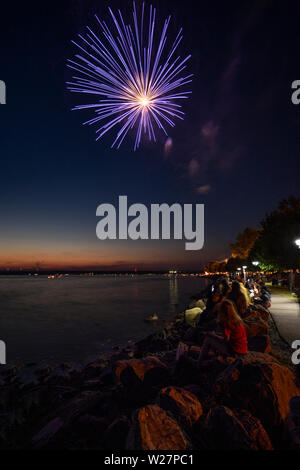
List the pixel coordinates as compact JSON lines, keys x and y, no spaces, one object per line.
{"x":240,"y":297}
{"x":233,"y":340}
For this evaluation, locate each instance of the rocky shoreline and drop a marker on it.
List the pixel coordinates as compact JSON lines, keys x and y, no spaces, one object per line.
{"x":142,"y":398}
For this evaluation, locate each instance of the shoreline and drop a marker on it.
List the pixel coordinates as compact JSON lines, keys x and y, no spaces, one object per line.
{"x":109,"y":393}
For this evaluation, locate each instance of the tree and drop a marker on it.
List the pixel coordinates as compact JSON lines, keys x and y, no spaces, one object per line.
{"x":244,"y":243}
{"x":275,"y":248}
{"x":235,"y":263}
{"x":216,"y":267}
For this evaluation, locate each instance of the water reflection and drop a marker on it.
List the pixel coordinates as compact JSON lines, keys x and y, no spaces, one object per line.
{"x":70,"y":318}
{"x":173,"y":293}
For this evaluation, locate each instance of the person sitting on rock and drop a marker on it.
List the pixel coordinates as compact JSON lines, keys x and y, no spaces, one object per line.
{"x":212,"y":305}
{"x":233,"y":340}
{"x":239,"y":298}
{"x":225,"y":286}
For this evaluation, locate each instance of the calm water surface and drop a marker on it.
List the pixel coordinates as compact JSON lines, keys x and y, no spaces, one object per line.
{"x":75,"y":317}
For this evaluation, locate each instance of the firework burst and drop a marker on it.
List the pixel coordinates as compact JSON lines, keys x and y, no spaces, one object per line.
{"x":136,"y":80}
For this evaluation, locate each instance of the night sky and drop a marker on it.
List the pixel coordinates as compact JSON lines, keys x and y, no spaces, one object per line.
{"x":237,"y":151}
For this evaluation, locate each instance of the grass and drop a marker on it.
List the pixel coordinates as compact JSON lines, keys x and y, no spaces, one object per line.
{"x":283,"y":291}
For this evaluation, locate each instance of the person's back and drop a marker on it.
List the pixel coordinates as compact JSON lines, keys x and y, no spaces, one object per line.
{"x":237,"y":338}
{"x":233,"y":327}
{"x":225,"y":288}
{"x":239,"y":298}
{"x":211,"y":311}
{"x":241,"y":304}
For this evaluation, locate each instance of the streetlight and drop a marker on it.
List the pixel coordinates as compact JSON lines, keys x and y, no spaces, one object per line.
{"x":298,"y":242}
{"x":256,"y":263}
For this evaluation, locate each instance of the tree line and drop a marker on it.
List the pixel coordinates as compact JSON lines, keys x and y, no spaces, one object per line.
{"x":272,"y":245}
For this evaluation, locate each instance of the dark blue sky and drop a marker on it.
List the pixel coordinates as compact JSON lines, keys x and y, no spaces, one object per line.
{"x":237,"y":150}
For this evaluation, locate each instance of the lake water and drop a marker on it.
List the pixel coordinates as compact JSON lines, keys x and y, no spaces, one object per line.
{"x":77,"y":317}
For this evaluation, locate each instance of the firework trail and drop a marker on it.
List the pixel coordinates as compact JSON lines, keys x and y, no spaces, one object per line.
{"x":136,"y":80}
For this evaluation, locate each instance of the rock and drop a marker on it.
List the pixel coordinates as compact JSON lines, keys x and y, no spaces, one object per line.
{"x":92,"y":426}
{"x":154,"y":429}
{"x":116,"y":434}
{"x":107,"y":376}
{"x":195,"y":349}
{"x":190,"y":334}
{"x":27,"y":378}
{"x":194,"y":389}
{"x":47,"y":432}
{"x":168,"y":325}
{"x":94,"y":369}
{"x":293,"y":423}
{"x":192,"y":315}
{"x":235,"y":430}
{"x":59,"y":375}
{"x":132,"y":372}
{"x":187,"y":371}
{"x":204,"y":326}
{"x":65,"y":417}
{"x":43,"y":370}
{"x":153,"y":343}
{"x":10,"y":370}
{"x":198,"y":303}
{"x":255,"y":327}
{"x":260,"y":343}
{"x":257,"y":311}
{"x":9,"y":373}
{"x":257,"y":383}
{"x":141,"y":380}
{"x":183,"y":405}
{"x":295,"y":410}
{"x":156,"y":377}
{"x":231,"y":373}
{"x":92,"y":384}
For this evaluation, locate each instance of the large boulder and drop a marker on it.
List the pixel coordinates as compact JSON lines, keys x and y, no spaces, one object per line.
{"x":159,"y":341}
{"x":187,"y":374}
{"x":65,"y":417}
{"x":134,"y":371}
{"x":257,"y":311}
{"x":94,"y":369}
{"x":255,"y":327}
{"x":190,"y":334}
{"x":227,"y":429}
{"x":116,"y":434}
{"x":154,"y":429}
{"x":183,"y":404}
{"x":260,"y":343}
{"x":59,"y":376}
{"x":256,"y":382}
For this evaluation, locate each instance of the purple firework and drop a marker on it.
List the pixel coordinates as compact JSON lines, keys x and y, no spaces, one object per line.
{"x":136,"y":80}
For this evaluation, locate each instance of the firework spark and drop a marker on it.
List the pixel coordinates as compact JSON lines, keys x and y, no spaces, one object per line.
{"x":136,"y":80}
